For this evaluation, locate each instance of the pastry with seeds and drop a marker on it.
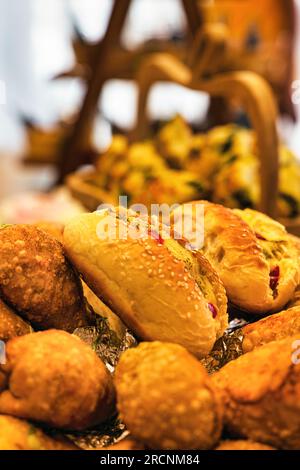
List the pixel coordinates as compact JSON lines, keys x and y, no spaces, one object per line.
{"x":54,"y":378}
{"x":252,"y":254}
{"x":161,"y":290}
{"x":166,"y":399}
{"x":38,"y":281}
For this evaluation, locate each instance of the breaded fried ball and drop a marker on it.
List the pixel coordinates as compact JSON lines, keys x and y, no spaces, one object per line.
{"x":54,"y":378}
{"x":16,"y":434}
{"x":37,"y":280}
{"x":165,"y":398}
{"x":11,"y":325}
{"x":242,"y":445}
{"x":261,"y":394}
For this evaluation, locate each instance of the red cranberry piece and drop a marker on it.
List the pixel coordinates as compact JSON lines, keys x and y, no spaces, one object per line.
{"x":213,"y":310}
{"x":274,"y":277}
{"x":259,"y":236}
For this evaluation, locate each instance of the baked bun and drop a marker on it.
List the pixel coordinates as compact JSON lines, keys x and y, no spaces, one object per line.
{"x":158,"y":288}
{"x":242,"y":445}
{"x":252,"y":254}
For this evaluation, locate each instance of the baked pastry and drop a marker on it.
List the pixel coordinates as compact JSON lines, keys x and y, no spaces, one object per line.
{"x":54,"y":378}
{"x":11,"y":325}
{"x":125,"y":444}
{"x":17,"y":434}
{"x":158,"y":288}
{"x":261,"y":394}
{"x":52,"y":228}
{"x":275,"y":327}
{"x":243,"y":445}
{"x":252,"y":254}
{"x":37,"y":280}
{"x":165,"y":398}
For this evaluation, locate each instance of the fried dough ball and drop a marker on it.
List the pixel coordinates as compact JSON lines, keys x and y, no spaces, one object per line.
{"x":261,"y":394}
{"x":11,"y":325}
{"x":37,"y":280}
{"x":54,"y":378}
{"x":165,"y":398}
{"x":16,"y":434}
{"x":242,"y":445}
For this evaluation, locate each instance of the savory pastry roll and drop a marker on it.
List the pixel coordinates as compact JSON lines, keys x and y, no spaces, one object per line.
{"x":17,"y":434}
{"x":242,"y":445}
{"x":165,"y":398}
{"x":37,"y":280}
{"x":252,"y":254}
{"x":11,"y":325}
{"x":54,"y":378}
{"x":261,"y":394}
{"x":158,"y":288}
{"x":55,"y":229}
{"x":173,"y":142}
{"x":275,"y":327}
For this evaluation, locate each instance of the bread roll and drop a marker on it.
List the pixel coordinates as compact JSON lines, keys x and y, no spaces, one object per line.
{"x":252,"y":254}
{"x":165,"y":398}
{"x":159,"y":289}
{"x":275,"y":327}
{"x":261,"y":394}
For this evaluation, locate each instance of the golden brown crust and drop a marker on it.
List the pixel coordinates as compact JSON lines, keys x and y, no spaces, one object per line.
{"x":166,"y":399}
{"x":275,"y":327}
{"x":235,"y":250}
{"x":242,"y":445}
{"x":261,"y":394}
{"x":38,"y":281}
{"x":55,"y":229}
{"x":152,"y":290}
{"x":17,"y":434}
{"x":53,"y":377}
{"x":11,"y":325}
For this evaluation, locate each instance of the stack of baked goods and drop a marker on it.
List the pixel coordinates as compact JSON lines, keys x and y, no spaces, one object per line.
{"x":177,"y":300}
{"x":177,"y":166}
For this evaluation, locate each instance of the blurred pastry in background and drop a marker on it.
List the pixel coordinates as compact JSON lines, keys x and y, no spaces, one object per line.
{"x":38,"y":281}
{"x":165,"y":398}
{"x":31,"y":207}
{"x":173,"y":142}
{"x":11,"y":324}
{"x":54,"y":378}
{"x":17,"y":434}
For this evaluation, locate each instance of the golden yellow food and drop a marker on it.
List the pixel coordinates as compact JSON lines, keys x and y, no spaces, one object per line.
{"x":261,"y":394}
{"x":38,"y":281}
{"x":275,"y":327}
{"x":54,"y":378}
{"x":17,"y":434}
{"x":242,"y":445}
{"x":166,"y":398}
{"x":11,"y":324}
{"x":161,"y":290}
{"x":253,"y":255}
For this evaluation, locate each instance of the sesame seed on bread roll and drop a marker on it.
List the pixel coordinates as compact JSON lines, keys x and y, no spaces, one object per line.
{"x":252,"y":254}
{"x":161,"y":290}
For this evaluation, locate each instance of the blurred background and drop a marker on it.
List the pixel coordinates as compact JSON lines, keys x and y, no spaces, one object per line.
{"x":40,"y":86}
